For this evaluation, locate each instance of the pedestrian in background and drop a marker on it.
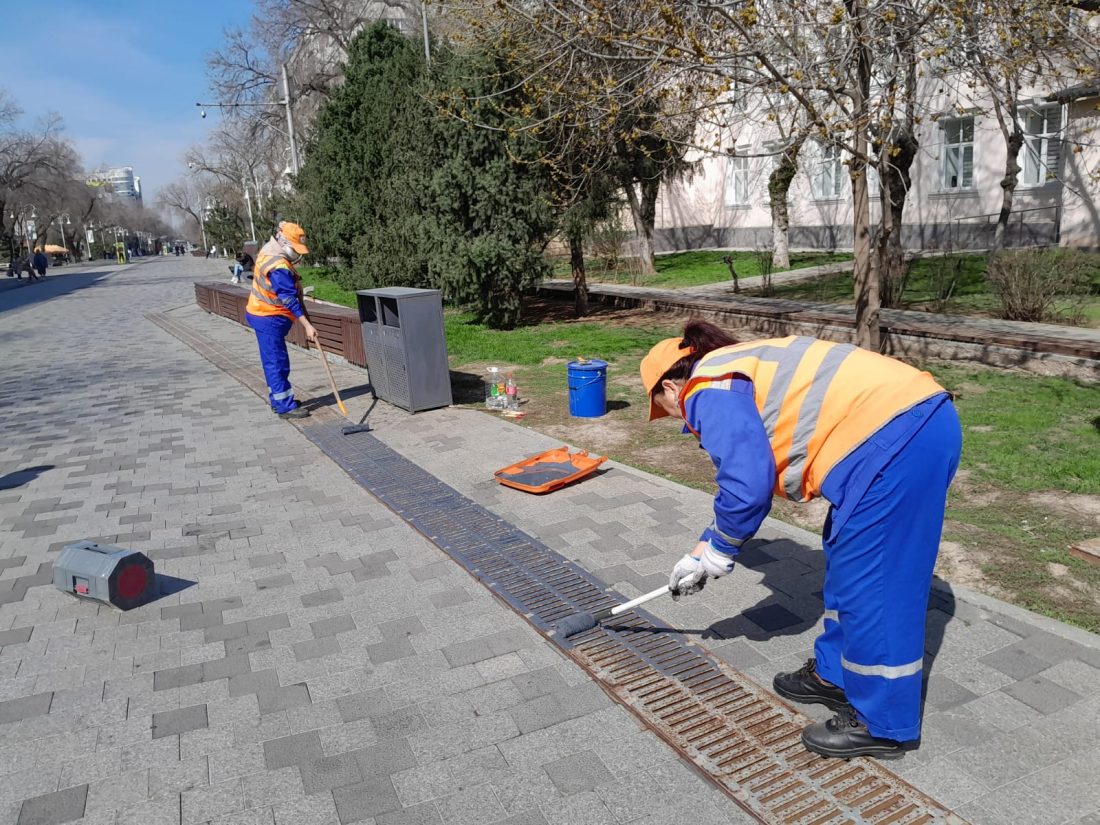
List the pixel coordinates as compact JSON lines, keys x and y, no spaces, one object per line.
{"x":880,"y":441}
{"x":274,"y":305}
{"x":40,"y":262}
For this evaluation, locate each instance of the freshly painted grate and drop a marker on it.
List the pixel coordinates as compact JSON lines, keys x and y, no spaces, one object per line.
{"x":742,"y":737}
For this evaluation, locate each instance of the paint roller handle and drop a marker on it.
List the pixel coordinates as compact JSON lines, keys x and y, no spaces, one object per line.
{"x":630,"y":605}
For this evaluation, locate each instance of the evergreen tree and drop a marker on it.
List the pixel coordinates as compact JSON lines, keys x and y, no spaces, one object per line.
{"x":400,"y":190}
{"x":346,"y":193}
{"x":485,"y":191}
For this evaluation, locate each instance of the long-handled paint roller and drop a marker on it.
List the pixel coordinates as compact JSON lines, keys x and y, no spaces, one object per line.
{"x":580,"y":622}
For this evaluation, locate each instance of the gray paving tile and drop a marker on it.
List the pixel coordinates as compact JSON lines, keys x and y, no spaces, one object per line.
{"x":943,"y":693}
{"x":539,"y":682}
{"x":54,"y":808}
{"x":1015,"y":662}
{"x":551,"y":709}
{"x":292,"y":750}
{"x":321,"y":597}
{"x":423,"y":814}
{"x":15,"y":636}
{"x":470,"y":807}
{"x":449,"y":598}
{"x":1042,"y":694}
{"x":282,"y":698}
{"x":315,"y":648}
{"x":26,"y":707}
{"x":330,"y":772}
{"x":385,"y":758}
{"x":179,"y":721}
{"x":363,"y":705}
{"x":370,"y":798}
{"x":210,"y":802}
{"x":578,"y":772}
{"x":332,"y":626}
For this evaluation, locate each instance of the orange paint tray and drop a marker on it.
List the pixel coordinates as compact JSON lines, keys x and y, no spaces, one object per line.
{"x":549,"y":471}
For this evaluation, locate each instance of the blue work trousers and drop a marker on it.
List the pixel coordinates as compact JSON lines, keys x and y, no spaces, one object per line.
{"x":271,"y":332}
{"x":878,"y":574}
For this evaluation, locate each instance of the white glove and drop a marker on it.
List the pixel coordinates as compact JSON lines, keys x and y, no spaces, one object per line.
{"x":689,"y":576}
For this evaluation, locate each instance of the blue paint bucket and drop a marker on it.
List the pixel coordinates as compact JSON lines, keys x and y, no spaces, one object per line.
{"x":587,"y":388}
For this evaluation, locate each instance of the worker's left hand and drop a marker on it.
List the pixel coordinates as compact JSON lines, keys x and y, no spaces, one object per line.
{"x":690,"y":574}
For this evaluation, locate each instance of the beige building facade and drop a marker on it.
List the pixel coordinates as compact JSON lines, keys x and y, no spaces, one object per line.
{"x":955,"y":195}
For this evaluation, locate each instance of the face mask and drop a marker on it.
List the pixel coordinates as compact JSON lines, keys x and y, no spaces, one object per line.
{"x":291,"y":253}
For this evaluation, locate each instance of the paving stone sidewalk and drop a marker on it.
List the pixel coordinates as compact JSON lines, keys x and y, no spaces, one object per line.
{"x":1012,"y":714}
{"x":313,"y":659}
{"x":321,"y":670}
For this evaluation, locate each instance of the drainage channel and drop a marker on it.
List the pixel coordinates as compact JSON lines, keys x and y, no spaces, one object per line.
{"x":741,"y":737}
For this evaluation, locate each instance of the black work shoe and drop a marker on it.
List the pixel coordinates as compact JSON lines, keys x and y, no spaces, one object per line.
{"x":844,"y":737}
{"x":297,"y":412}
{"x":803,"y":685}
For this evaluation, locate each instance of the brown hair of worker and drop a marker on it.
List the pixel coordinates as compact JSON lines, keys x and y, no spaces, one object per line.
{"x":703,"y":338}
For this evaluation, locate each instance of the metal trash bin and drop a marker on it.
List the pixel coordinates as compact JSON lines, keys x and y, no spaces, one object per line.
{"x":124,"y":578}
{"x":406,"y":346}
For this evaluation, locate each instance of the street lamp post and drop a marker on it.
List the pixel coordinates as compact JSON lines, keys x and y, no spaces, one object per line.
{"x":63,"y":220}
{"x":20,"y":217}
{"x":248,"y":201}
{"x":286,"y":103}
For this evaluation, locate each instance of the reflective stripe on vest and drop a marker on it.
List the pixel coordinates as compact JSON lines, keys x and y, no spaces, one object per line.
{"x":818,"y":400}
{"x":263,"y":299}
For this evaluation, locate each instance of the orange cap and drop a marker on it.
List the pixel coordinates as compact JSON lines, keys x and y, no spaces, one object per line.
{"x":656,"y":363}
{"x":295,"y":236}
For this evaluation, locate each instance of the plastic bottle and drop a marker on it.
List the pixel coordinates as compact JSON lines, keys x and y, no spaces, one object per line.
{"x":494,"y":389}
{"x":511,"y":392}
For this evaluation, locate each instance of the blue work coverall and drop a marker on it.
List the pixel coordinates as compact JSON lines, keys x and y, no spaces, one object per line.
{"x":881,"y":539}
{"x":271,"y":332}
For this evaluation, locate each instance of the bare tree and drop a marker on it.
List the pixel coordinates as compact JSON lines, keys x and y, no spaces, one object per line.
{"x":1002,"y":51}
{"x":185,"y":197}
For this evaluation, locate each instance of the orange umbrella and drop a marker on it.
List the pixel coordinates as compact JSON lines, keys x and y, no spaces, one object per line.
{"x":54,"y":249}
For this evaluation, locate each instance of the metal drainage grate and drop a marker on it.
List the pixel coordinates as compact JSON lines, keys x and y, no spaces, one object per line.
{"x":743,"y":738}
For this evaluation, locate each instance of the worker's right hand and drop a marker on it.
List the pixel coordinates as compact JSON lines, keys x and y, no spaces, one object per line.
{"x":690,"y":574}
{"x":311,"y":332}
{"x":688,"y":577}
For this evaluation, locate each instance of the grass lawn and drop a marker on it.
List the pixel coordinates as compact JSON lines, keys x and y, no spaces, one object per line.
{"x":971,"y":296}
{"x":680,"y":269}
{"x":1028,"y":485}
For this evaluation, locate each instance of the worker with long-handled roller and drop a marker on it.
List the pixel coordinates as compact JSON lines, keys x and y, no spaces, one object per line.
{"x":274,"y":305}
{"x":879,"y":440}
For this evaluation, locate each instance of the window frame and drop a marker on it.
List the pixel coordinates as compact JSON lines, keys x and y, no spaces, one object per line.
{"x":828,"y":154}
{"x":737,"y":166}
{"x":959,"y":147}
{"x":1046,"y":139}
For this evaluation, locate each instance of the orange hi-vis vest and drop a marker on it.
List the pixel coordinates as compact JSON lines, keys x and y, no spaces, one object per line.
{"x":263,"y":300}
{"x":819,"y":400}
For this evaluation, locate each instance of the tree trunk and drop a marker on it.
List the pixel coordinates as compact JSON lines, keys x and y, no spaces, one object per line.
{"x":645,"y":234}
{"x":1014,"y":144}
{"x":779,"y":185}
{"x":576,"y":267}
{"x":866,"y":282}
{"x":896,"y":159}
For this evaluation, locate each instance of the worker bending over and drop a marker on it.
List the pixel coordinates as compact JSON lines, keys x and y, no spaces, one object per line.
{"x":273,"y":307}
{"x":878,"y":439}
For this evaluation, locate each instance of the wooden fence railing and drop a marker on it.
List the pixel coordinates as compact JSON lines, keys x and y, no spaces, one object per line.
{"x":337,"y":327}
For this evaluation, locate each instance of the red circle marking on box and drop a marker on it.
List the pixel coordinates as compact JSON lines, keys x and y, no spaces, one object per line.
{"x":132,"y":581}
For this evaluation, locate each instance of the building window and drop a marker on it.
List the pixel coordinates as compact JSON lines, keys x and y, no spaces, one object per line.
{"x":958,"y":153}
{"x":1042,"y":148}
{"x":828,"y":173}
{"x":737,"y":181}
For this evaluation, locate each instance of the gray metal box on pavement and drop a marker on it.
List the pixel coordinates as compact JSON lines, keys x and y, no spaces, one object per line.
{"x":124,"y":578}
